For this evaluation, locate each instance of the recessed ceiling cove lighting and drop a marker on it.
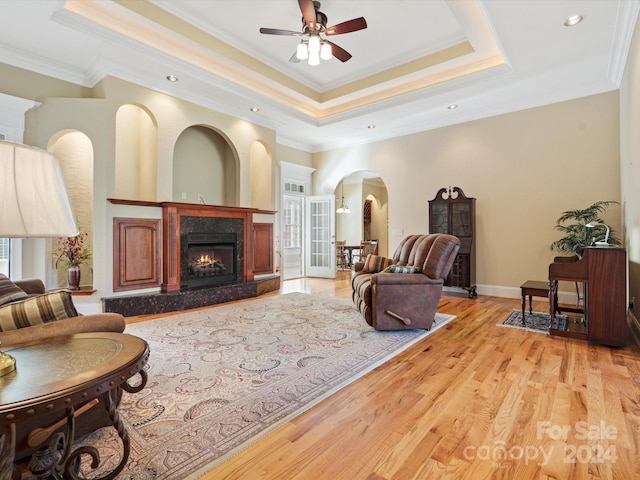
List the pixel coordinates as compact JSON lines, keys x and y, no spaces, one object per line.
{"x":172,"y":78}
{"x":574,"y":20}
{"x":254,"y":109}
{"x":453,"y":106}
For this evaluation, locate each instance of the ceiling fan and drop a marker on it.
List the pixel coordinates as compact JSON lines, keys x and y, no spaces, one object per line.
{"x":314,"y":27}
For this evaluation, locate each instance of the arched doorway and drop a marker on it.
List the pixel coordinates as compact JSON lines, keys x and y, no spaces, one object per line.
{"x":366,"y":196}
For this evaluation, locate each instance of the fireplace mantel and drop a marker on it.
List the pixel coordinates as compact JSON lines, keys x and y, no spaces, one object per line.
{"x":172,"y":212}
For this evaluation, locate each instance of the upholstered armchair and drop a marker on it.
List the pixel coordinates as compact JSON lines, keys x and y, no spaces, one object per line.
{"x":403,"y":292}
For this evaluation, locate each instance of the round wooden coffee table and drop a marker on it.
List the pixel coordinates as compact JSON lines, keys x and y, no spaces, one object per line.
{"x":59,"y":375}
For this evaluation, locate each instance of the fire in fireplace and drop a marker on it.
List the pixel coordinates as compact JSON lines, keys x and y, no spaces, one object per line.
{"x":211,"y":259}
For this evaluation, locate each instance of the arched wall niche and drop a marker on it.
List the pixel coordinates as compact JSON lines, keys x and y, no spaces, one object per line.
{"x":262,"y":177}
{"x":136,"y":167}
{"x":205,"y":168}
{"x":74,"y":151}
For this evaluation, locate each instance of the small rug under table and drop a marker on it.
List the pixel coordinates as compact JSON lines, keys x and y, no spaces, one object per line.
{"x":223,"y":377}
{"x":535,"y":321}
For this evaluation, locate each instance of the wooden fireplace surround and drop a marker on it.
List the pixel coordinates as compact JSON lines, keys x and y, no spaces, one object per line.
{"x":171,"y":215}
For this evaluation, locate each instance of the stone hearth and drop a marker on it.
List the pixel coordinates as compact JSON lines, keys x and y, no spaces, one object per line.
{"x":153,"y":303}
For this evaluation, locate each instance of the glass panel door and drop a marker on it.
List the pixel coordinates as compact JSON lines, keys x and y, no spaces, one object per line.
{"x":292,"y":237}
{"x":321,"y":248}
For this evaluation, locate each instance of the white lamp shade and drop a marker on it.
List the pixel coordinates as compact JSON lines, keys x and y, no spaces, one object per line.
{"x":301,"y":51}
{"x":325,"y":51}
{"x":314,"y":43}
{"x":33,"y":199}
{"x":314,"y":58}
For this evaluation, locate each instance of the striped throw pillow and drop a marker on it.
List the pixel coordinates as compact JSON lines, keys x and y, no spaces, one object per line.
{"x":401,"y":269}
{"x":374,"y":263}
{"x":45,"y":308}
{"x":9,"y":291}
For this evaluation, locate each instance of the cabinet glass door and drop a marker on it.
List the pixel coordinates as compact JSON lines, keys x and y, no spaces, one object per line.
{"x":439,"y":218}
{"x":461,"y":219}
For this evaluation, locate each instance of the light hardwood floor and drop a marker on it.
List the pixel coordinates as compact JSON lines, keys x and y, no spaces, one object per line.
{"x":471,"y":401}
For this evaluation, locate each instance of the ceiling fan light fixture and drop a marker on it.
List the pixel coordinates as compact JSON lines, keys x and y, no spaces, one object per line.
{"x":302,"y":53}
{"x":314,"y":58}
{"x":314,"y":27}
{"x":325,"y":51}
{"x":314,"y":43}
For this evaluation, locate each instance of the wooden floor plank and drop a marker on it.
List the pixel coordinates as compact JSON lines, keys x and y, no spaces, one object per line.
{"x":467,"y":402}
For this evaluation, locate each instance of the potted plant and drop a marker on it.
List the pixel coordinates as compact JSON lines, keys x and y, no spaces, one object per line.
{"x":577,"y":234}
{"x":72,"y":253}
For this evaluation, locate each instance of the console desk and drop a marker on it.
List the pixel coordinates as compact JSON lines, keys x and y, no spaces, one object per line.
{"x":56,"y":376}
{"x":602,"y":270}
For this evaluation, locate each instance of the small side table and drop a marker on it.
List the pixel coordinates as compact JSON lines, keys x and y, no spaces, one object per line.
{"x":533,"y":288}
{"x":54,"y":376}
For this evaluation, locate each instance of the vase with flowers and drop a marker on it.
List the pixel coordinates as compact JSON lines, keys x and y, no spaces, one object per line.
{"x":71,"y":253}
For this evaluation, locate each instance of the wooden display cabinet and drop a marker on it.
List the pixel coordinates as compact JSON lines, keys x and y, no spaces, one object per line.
{"x":452,"y":212}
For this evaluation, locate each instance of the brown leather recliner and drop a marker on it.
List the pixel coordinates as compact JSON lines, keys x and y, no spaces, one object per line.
{"x":403,"y":301}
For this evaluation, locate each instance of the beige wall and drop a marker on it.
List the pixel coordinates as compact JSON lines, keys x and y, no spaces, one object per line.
{"x":200,"y":160}
{"x":135,"y":157}
{"x":262,"y":178}
{"x":523,"y":168}
{"x":630,"y":164}
{"x":293,"y":155}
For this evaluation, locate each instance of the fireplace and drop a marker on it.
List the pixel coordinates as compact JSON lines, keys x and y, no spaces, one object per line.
{"x":211,"y":259}
{"x":211,"y":251}
{"x":178,"y":221}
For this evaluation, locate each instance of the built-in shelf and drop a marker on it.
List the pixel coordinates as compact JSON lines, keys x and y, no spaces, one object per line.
{"x":83,"y":291}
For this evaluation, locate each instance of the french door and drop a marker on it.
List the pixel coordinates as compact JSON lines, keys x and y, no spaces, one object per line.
{"x":320,"y":258}
{"x":293,"y":234}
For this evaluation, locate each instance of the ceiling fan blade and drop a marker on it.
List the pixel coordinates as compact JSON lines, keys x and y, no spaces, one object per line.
{"x":294,"y":58}
{"x":347,"y":27}
{"x":277,"y":31}
{"x":339,"y":52}
{"x":308,"y":13}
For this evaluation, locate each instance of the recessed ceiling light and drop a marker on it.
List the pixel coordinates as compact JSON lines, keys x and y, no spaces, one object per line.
{"x":254,"y":109}
{"x":453,"y":106}
{"x":172,"y":78}
{"x":574,"y":20}
{"x":371,"y":127}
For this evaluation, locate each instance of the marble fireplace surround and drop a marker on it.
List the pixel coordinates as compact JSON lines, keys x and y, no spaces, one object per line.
{"x":178,"y":219}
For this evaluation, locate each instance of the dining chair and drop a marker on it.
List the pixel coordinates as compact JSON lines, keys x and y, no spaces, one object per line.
{"x":366,"y":247}
{"x":342,"y":262}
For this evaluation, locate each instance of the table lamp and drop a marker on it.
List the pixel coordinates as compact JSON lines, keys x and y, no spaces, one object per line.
{"x":602,"y":243}
{"x":33,"y":202}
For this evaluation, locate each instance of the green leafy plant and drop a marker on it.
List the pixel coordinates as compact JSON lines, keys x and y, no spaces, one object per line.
{"x":577,"y":234}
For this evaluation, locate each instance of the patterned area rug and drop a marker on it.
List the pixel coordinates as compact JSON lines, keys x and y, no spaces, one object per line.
{"x":535,"y":322}
{"x":221,"y":378}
